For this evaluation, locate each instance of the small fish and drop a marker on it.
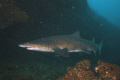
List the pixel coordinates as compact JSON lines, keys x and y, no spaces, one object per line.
{"x":63,"y":44}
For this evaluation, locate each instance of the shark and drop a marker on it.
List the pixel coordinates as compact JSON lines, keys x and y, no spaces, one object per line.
{"x":63,"y":45}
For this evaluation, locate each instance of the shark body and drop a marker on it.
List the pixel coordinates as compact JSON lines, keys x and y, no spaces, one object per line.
{"x":63,"y":44}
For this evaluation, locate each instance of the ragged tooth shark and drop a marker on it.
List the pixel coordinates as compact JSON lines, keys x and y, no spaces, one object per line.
{"x":63,"y":44}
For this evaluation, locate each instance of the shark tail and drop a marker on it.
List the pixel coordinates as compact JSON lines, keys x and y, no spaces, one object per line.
{"x":100,"y":46}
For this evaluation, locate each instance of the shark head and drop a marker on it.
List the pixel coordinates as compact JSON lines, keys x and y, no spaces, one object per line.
{"x":34,"y":47}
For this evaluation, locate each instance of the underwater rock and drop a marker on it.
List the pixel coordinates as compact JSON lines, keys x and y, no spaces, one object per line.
{"x":81,"y":71}
{"x":10,"y":14}
{"x":108,"y":71}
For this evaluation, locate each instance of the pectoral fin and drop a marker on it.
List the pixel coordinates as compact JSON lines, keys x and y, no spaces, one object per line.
{"x":62,"y":52}
{"x":87,"y":51}
{"x":81,"y":53}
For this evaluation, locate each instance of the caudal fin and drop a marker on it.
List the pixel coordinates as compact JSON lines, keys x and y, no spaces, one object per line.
{"x":101,"y":44}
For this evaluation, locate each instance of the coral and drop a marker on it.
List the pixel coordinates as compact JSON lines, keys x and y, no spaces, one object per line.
{"x":81,"y":71}
{"x":10,"y":13}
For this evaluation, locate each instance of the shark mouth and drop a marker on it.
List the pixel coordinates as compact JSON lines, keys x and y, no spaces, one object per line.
{"x":30,"y":48}
{"x":27,"y":47}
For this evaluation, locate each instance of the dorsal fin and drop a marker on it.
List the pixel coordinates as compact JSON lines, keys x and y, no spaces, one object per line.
{"x":77,"y":34}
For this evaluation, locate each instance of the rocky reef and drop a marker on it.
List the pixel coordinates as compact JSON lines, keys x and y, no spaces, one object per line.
{"x":10,"y":13}
{"x":81,"y":71}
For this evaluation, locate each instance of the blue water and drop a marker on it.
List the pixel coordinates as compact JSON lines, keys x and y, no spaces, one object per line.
{"x":109,"y":9}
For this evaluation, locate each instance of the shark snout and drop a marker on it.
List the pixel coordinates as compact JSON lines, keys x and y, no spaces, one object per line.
{"x":23,"y":46}
{"x":28,"y":47}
